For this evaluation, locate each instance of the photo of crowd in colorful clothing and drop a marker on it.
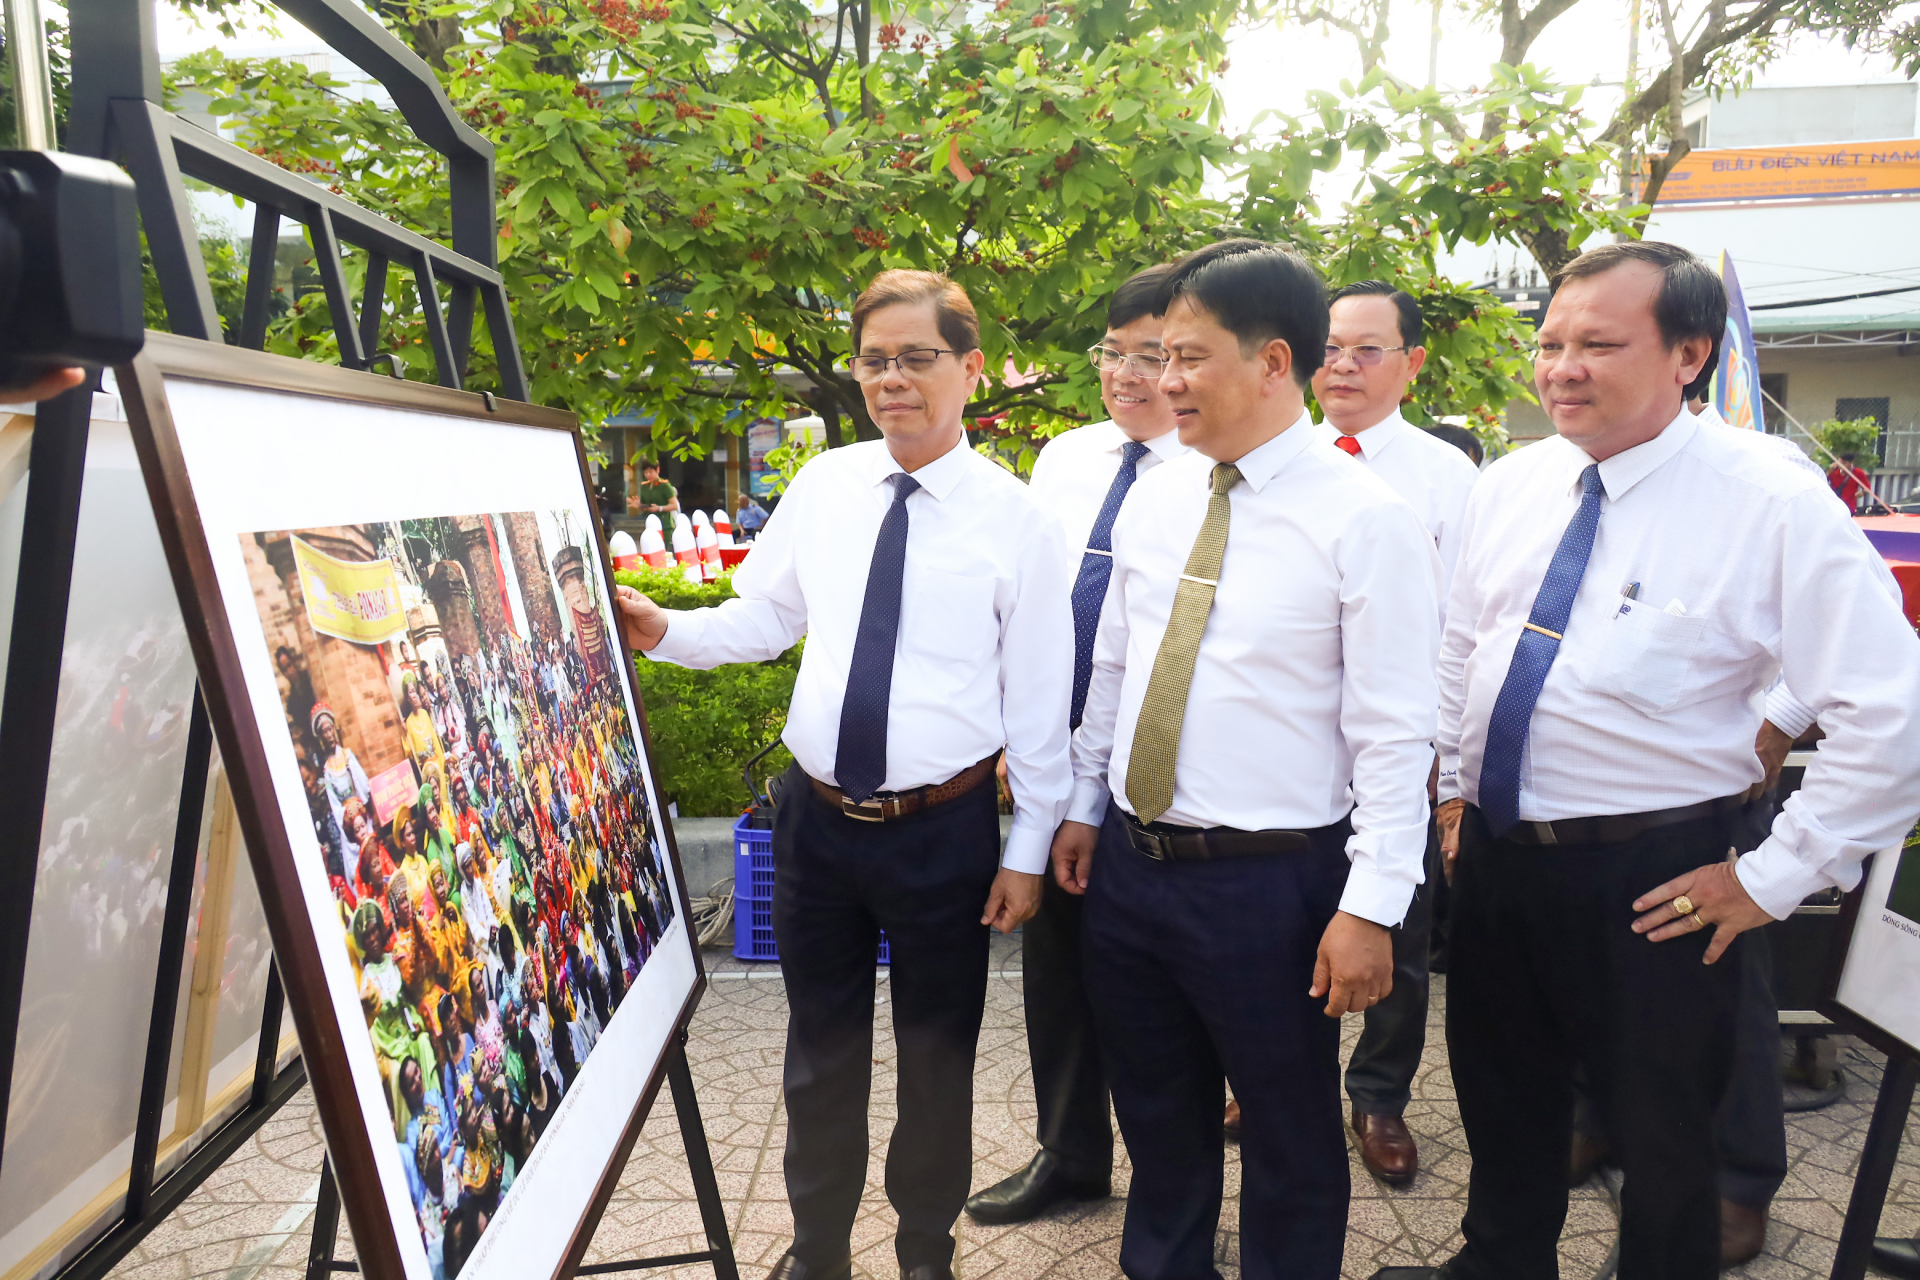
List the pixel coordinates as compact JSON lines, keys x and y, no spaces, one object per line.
{"x":478,"y":797}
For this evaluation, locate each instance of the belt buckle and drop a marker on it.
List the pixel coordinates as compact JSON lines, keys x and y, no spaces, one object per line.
{"x":869,"y":810}
{"x":1543,"y":832}
{"x":1154,"y":847}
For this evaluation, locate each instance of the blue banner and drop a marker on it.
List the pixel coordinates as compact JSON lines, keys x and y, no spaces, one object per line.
{"x":1736,"y":384}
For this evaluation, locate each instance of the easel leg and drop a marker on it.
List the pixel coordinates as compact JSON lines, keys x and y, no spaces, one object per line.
{"x":326,"y":1224}
{"x":706,"y":1189}
{"x":1876,"y":1168}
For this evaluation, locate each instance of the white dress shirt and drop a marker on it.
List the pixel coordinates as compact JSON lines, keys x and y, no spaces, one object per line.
{"x":1432,"y":475}
{"x":985,"y":655}
{"x":1314,"y":689}
{"x":1076,"y":468}
{"x":1777,"y":445}
{"x":1747,"y":570}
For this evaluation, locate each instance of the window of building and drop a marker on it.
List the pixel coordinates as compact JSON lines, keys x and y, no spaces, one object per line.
{"x":1853,"y":408}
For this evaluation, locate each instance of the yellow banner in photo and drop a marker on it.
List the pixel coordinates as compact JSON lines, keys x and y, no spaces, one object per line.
{"x":347,"y":599}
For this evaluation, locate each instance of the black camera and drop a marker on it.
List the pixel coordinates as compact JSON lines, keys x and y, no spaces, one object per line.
{"x":69,"y":265}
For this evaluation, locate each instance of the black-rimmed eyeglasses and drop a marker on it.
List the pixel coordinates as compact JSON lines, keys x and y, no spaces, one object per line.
{"x":915,"y":364}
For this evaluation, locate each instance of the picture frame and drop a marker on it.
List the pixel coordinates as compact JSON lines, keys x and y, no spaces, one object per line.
{"x":1872,"y":983}
{"x":243,"y":451}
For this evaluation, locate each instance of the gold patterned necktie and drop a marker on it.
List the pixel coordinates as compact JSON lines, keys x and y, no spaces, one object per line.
{"x":1156,"y":737}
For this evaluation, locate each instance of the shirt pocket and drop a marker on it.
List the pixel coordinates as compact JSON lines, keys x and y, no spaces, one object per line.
{"x":1648,"y":657}
{"x":950,"y":615}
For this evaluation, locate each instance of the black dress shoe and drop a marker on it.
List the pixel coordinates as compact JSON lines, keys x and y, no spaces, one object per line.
{"x":929,"y":1271}
{"x":1411,"y":1273}
{"x":1045,"y":1182}
{"x":1898,"y":1257}
{"x":791,"y":1268}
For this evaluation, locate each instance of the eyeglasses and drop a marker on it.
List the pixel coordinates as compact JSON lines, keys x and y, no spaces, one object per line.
{"x":1107,"y":360}
{"x":1365,"y":356}
{"x":915,"y":364}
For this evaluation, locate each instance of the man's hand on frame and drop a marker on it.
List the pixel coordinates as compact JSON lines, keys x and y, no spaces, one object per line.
{"x":644,"y":622}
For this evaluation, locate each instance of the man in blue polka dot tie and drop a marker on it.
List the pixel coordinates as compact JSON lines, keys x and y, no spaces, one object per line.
{"x":1083,"y":476}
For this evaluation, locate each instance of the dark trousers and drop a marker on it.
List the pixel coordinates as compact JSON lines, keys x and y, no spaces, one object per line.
{"x":1546,"y":973}
{"x":1198,"y":974}
{"x":838,"y":882}
{"x":1750,"y":1128}
{"x":1068,"y":1084}
{"x":1380,"y":1073}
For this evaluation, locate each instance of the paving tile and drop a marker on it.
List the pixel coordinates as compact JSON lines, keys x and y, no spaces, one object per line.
{"x":250,"y":1220}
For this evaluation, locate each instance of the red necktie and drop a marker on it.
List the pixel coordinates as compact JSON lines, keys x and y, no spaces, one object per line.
{"x":1349,"y":443}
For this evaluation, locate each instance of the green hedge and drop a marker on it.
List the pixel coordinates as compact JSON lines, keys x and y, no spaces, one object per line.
{"x":706,"y":725}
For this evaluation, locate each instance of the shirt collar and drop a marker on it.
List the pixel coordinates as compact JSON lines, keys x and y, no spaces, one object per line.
{"x":1264,"y":463}
{"x":1629,"y":467}
{"x":1375,"y":439}
{"x":1165,"y":447}
{"x":938,"y":477}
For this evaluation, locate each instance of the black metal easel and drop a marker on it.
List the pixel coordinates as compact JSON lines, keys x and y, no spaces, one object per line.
{"x":706,"y":1190}
{"x":118,"y":113}
{"x":1877,"y":1159}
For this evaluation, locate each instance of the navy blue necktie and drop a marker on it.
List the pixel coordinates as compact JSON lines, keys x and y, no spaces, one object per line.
{"x":1096,"y":566}
{"x":1532,"y":657}
{"x":861,"y":763}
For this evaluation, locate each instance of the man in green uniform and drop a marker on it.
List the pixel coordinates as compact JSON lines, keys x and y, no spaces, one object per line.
{"x":658,"y":497}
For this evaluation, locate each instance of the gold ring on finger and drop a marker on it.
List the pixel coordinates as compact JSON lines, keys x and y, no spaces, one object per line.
{"x":1699,"y":922}
{"x":1682,"y":905}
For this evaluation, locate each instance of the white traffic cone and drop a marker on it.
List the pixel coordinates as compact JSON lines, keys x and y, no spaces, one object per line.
{"x":625,"y":554}
{"x":723,"y":527}
{"x":653,"y":545}
{"x":709,"y":544}
{"x":686,"y":551}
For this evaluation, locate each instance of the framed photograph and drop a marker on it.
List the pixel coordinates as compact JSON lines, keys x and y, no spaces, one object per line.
{"x":402,"y":614}
{"x":1873,"y":984}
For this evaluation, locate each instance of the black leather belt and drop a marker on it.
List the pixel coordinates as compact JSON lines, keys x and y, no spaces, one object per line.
{"x":1614,"y":828}
{"x":1164,"y":842}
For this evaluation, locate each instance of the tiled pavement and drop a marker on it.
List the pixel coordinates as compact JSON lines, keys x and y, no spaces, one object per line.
{"x":249,"y":1222}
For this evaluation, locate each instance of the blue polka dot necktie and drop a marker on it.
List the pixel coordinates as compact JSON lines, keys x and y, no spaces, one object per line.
{"x":1096,"y":567}
{"x":860,"y":765}
{"x":1533,"y":656}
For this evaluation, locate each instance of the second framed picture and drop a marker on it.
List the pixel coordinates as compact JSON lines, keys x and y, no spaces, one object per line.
{"x":404,"y":623}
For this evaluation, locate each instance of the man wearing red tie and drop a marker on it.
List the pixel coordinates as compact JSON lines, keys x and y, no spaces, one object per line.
{"x":1375,"y":347}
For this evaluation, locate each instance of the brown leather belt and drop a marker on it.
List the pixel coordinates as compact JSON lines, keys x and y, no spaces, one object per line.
{"x":1164,"y":842}
{"x":1614,"y":828}
{"x":886,"y":806}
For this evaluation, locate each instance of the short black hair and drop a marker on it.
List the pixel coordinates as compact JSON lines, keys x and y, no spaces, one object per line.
{"x":1692,"y":301}
{"x":1258,"y":292}
{"x":1413,"y":324}
{"x":1138,"y":296}
{"x":1460,"y":438}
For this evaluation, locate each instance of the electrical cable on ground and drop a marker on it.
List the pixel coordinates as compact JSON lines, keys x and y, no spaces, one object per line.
{"x":713,"y":913}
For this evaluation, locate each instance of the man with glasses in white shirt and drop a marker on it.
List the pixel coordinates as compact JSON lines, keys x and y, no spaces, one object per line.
{"x":933,"y":591}
{"x":1623,"y":593}
{"x":1249,"y":809}
{"x":1083,"y":476}
{"x":1375,"y":349}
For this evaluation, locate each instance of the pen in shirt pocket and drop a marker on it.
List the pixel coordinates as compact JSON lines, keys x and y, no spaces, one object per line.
{"x":1629,"y":592}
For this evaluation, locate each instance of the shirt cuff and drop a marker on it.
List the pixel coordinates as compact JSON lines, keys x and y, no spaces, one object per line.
{"x":681,"y":643}
{"x":1449,"y":782}
{"x":1790,"y":715}
{"x":1088,"y":803}
{"x":1027,"y":850}
{"x":1379,"y":898}
{"x":1777,"y":881}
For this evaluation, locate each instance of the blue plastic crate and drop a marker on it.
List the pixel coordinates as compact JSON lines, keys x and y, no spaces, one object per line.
{"x":753,"y":894}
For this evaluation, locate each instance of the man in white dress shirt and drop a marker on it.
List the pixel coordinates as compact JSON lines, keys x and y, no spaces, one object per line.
{"x":1375,"y":348}
{"x":1624,"y":591}
{"x":932,"y":591}
{"x":1083,"y":476}
{"x":1249,"y":809}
